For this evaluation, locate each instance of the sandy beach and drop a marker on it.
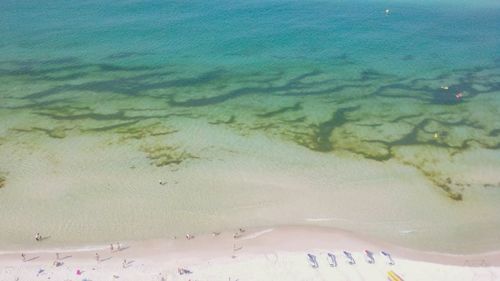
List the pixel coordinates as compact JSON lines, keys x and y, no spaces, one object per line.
{"x":256,"y":254}
{"x":369,"y":127}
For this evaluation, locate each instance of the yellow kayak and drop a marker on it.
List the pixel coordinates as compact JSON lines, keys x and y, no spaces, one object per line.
{"x":392,"y":276}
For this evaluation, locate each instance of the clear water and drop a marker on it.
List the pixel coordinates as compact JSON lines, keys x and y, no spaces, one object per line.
{"x":94,"y":93}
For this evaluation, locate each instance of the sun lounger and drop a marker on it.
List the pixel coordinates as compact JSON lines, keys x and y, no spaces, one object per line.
{"x":369,"y":257}
{"x":349,"y":257}
{"x":332,"y":260}
{"x":312,"y":261}
{"x":389,"y":258}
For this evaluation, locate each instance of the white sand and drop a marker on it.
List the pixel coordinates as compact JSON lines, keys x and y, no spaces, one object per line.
{"x":262,"y":254}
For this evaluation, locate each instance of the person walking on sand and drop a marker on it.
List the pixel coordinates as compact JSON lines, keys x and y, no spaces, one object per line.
{"x":118,"y":246}
{"x":124,"y":264}
{"x":111,"y":247}
{"x":23,"y":256}
{"x":97,"y":257}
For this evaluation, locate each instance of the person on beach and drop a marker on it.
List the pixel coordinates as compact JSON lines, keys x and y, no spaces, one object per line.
{"x":189,"y":236}
{"x":111,"y":247}
{"x":183,"y":271}
{"x":23,"y":256}
{"x":97,"y":257}
{"x":38,"y":237}
{"x":124,"y":264}
{"x":118,"y":246}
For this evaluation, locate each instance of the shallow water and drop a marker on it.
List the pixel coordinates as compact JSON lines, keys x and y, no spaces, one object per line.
{"x":255,"y":113}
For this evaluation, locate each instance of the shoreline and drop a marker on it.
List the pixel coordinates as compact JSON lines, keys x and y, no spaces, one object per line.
{"x":278,"y":253}
{"x":262,"y":240}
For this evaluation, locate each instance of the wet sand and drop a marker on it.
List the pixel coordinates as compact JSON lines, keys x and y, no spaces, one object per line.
{"x":257,"y":254}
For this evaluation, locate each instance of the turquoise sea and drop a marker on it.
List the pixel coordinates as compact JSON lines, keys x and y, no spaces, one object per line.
{"x":229,"y":99}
